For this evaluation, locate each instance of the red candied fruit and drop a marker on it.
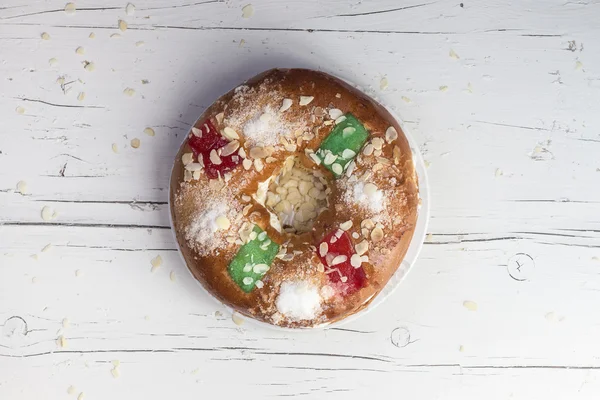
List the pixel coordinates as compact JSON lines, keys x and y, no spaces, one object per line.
{"x":355,"y":278}
{"x":210,"y":140}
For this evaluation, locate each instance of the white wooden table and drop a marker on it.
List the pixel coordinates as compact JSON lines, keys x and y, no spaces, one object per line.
{"x":502,"y":97}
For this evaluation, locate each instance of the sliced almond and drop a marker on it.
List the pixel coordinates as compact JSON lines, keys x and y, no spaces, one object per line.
{"x":315,"y":158}
{"x":230,"y":134}
{"x":338,"y":260}
{"x":306,"y":100}
{"x":368,"y":150}
{"x":339,"y":120}
{"x":323,"y":249}
{"x":391,"y":134}
{"x":260,"y":268}
{"x":258,"y":165}
{"x":196,"y":175}
{"x":346,"y":225}
{"x":196,"y":131}
{"x":187,"y":176}
{"x":219,"y":117}
{"x":355,"y":261}
{"x":329,"y":158}
{"x":377,"y":143}
{"x":214,"y":157}
{"x":258,"y":152}
{"x":242,"y":152}
{"x":135,"y":143}
{"x":376,"y":235}
{"x":335,"y":113}
{"x":285,"y":105}
{"x":187,"y":158}
{"x":247,"y":163}
{"x":348,"y":154}
{"x":192,"y":167}
{"x":337,"y":169}
{"x":230,"y":148}
{"x":362,"y":247}
{"x":259,"y":284}
{"x":222,"y":222}
{"x":367,"y":223}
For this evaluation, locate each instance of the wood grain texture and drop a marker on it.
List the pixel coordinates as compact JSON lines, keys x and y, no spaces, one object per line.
{"x":512,"y":146}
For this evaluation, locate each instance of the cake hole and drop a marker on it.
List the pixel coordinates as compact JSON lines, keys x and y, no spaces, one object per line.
{"x":295,"y":197}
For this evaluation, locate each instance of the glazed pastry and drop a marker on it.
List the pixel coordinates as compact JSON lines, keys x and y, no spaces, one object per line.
{"x":294,"y":198}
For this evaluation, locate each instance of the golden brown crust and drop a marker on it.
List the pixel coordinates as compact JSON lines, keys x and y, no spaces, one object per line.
{"x":392,"y":172}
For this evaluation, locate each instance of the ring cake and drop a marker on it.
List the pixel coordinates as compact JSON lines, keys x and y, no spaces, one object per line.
{"x":294,"y":198}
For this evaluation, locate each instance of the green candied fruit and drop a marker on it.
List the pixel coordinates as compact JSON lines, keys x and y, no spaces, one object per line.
{"x":342,"y":144}
{"x":253,"y":260}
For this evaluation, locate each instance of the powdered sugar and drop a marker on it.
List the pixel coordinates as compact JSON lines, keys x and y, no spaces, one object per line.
{"x":203,"y":228}
{"x":257,"y":116}
{"x":298,"y":300}
{"x":264,"y":127}
{"x":371,"y":200}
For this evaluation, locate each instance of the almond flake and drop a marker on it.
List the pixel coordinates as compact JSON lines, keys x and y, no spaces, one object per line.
{"x":391,"y":134}
{"x":348,"y":154}
{"x":323,"y":249}
{"x":260,"y":269}
{"x":258,"y":152}
{"x":259,"y":284}
{"x":443,"y":88}
{"x":80,"y":50}
{"x":197,"y":132}
{"x":196,"y":175}
{"x":370,"y":189}
{"x":45,"y":36}
{"x":453,"y":54}
{"x":306,"y":100}
{"x":156,"y":262}
{"x":187,"y":158}
{"x":223,"y":222}
{"x":362,"y":247}
{"x":470,"y":305}
{"x":122,"y":25}
{"x":346,"y":225}
{"x":329,"y":158}
{"x":285,"y":105}
{"x":377,"y":143}
{"x":258,"y":165}
{"x":337,"y":169}
{"x":20,"y":110}
{"x":349,"y":130}
{"x":230,"y":134}
{"x":81,"y":96}
{"x":214,"y":157}
{"x":247,"y":11}
{"x":130,"y":9}
{"x":22,"y":187}
{"x":48,"y":214}
{"x":339,"y":259}
{"x":355,"y":260}
{"x":344,"y":279}
{"x":315,"y":158}
{"x":135,"y":143}
{"x":335,"y":113}
{"x":248,"y":280}
{"x":149,"y":131}
{"x":61,"y":341}
{"x":242,"y":152}
{"x":338,"y":120}
{"x":247,"y":163}
{"x":70,"y":8}
{"x":129,"y":92}
{"x":230,"y":148}
{"x":89,"y":66}
{"x":237,"y":318}
{"x":377,"y":235}
{"x":193,"y":167}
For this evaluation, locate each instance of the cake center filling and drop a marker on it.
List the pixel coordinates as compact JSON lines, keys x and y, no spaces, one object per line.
{"x":295,"y":197}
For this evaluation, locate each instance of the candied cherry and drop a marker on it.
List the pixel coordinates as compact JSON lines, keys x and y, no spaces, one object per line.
{"x":209,"y":140}
{"x":343,"y":276}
